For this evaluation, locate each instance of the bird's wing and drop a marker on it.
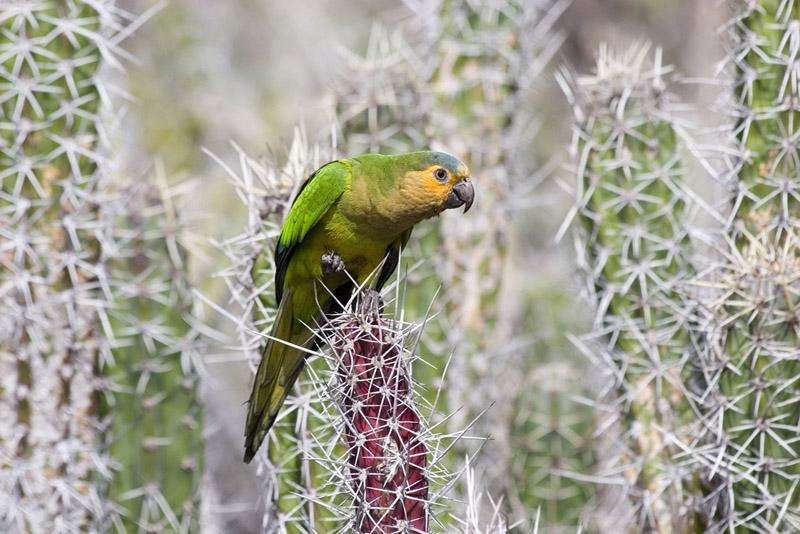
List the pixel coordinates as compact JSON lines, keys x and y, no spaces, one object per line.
{"x":281,"y":364}
{"x":315,"y":198}
{"x":392,"y":258}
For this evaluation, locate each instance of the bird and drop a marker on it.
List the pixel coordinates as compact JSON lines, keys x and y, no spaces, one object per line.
{"x":350,"y":219}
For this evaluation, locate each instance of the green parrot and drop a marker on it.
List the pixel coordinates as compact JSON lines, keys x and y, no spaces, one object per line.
{"x":349,"y":218}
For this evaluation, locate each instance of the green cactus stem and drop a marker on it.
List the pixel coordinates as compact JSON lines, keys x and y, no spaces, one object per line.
{"x":152,"y":419}
{"x":633,"y":245}
{"x":53,"y":300}
{"x":753,"y":334}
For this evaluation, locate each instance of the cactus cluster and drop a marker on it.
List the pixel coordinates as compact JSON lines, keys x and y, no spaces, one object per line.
{"x":701,"y":352}
{"x":694,"y":405}
{"x":84,"y":296}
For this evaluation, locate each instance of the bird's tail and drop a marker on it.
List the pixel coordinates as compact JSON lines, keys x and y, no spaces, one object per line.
{"x":279,"y":367}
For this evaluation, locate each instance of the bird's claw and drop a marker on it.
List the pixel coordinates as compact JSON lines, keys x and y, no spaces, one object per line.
{"x":332,"y":263}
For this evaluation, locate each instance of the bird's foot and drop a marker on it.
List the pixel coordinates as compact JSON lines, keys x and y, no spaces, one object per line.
{"x":370,"y":304}
{"x":332,"y":263}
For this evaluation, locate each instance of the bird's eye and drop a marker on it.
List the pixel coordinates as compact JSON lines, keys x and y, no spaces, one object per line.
{"x":440,"y":175}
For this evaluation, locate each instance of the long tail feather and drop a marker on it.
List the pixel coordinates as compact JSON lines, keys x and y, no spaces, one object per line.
{"x":278,"y":370}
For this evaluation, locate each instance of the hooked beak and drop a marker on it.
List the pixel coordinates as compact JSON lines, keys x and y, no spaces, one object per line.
{"x":462,"y":194}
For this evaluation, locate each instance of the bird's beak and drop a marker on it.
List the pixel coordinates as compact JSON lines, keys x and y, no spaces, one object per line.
{"x":462,"y":194}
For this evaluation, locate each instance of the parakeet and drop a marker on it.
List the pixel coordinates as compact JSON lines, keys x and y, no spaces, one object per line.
{"x":350,"y":217}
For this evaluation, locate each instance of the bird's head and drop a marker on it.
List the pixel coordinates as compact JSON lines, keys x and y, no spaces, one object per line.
{"x":443,"y":179}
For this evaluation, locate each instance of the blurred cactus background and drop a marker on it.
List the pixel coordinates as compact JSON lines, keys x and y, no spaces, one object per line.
{"x":100,"y":359}
{"x":607,"y":341}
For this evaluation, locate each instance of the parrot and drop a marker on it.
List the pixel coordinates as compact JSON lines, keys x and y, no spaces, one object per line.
{"x":350,"y":218}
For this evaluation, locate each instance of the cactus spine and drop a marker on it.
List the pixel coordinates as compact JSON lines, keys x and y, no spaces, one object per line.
{"x":633,"y":246}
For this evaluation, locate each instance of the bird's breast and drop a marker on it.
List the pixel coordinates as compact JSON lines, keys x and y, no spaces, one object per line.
{"x":360,"y":249}
{"x":384,"y":217}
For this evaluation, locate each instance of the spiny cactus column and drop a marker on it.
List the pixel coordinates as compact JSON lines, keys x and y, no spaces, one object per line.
{"x":53,"y":284}
{"x":379,"y":103}
{"x":764,"y":44}
{"x":633,"y":247}
{"x":151,"y":420}
{"x":69,"y":439}
{"x":550,"y":443}
{"x":754,"y":337}
{"x":486,"y":56}
{"x":391,"y":475}
{"x":552,"y":428}
{"x":386,"y":453}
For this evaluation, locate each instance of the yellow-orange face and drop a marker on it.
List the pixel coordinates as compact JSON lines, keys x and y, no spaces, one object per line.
{"x":444,"y":182}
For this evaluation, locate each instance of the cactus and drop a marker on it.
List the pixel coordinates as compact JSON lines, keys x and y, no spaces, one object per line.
{"x":551,"y":433}
{"x":52,"y":277}
{"x":633,"y":246}
{"x":386,"y":452}
{"x":69,"y":463}
{"x":731,"y":416}
{"x":392,"y":474}
{"x":487,"y":57}
{"x":763,"y":44}
{"x":752,"y":328}
{"x":149,"y":414}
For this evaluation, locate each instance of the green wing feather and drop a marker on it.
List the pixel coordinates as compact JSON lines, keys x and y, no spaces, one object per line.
{"x":315,"y":198}
{"x":266,"y":396}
